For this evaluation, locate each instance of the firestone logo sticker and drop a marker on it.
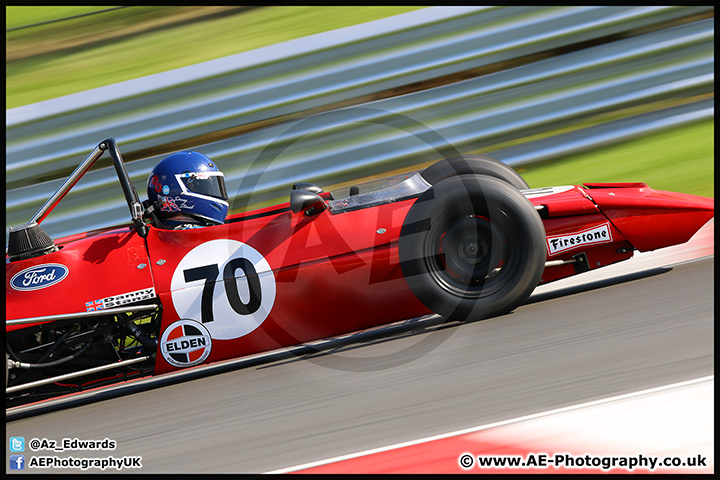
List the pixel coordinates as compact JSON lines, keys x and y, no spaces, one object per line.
{"x":185,"y":343}
{"x":591,"y":236}
{"x":39,"y":276}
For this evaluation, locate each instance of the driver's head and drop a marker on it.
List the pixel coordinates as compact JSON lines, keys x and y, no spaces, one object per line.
{"x":187,"y":187}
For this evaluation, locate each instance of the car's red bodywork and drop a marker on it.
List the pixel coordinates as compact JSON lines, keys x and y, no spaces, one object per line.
{"x":334,"y":273}
{"x":273,"y":278}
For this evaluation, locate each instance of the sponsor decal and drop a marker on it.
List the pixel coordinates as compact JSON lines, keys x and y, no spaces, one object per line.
{"x":92,"y":307}
{"x":167,"y":204}
{"x":165,"y":189}
{"x":155,"y":184}
{"x":196,"y":175}
{"x":591,"y":236}
{"x":119,"y":300}
{"x":185,"y":343}
{"x":226,"y":285}
{"x":183,"y":203}
{"x":39,"y":276}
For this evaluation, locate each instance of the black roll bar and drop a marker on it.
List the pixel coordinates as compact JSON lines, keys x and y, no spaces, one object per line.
{"x":131,"y":196}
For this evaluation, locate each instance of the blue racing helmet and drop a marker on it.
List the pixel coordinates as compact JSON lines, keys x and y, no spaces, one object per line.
{"x":189,"y":187}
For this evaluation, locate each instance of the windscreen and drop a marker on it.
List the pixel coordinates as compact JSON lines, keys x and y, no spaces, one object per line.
{"x":387,"y":190}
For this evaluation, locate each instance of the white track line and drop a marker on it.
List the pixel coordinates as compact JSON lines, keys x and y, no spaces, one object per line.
{"x":493,"y":425}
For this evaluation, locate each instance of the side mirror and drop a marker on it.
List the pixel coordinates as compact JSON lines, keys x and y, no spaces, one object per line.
{"x":309,"y":203}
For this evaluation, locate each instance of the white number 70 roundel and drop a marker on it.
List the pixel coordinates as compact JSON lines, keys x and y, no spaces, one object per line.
{"x":226,"y":285}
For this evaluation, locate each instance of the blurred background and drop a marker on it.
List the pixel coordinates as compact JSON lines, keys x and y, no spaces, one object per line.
{"x":332,"y":95}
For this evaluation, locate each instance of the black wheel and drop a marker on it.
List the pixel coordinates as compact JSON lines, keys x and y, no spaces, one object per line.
{"x":472,"y":247}
{"x":472,"y":164}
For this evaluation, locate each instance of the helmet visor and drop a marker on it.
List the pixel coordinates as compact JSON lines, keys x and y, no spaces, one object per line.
{"x":211,"y":184}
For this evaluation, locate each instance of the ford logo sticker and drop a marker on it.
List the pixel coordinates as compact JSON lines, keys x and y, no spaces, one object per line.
{"x":39,"y":276}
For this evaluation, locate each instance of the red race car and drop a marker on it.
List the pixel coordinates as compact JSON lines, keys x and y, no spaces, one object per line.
{"x":465,"y":238}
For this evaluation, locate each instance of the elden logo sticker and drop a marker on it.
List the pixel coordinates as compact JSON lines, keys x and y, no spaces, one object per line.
{"x":591,"y":236}
{"x":185,"y":343}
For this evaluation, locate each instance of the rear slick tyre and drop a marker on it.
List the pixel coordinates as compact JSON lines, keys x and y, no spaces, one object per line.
{"x":472,"y":247}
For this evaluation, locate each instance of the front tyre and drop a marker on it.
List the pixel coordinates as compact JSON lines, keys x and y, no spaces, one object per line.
{"x":472,"y":247}
{"x":473,"y":165}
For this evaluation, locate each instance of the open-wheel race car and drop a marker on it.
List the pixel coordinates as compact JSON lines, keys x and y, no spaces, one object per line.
{"x":466,"y":238}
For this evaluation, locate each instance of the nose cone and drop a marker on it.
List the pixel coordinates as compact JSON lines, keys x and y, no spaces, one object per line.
{"x":652,"y":219}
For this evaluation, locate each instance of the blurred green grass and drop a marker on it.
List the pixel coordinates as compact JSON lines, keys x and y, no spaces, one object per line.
{"x":60,"y":58}
{"x":676,"y":160}
{"x":17,"y":16}
{"x":679,"y":160}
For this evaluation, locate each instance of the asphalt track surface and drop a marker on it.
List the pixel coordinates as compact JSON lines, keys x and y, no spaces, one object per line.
{"x":642,"y":326}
